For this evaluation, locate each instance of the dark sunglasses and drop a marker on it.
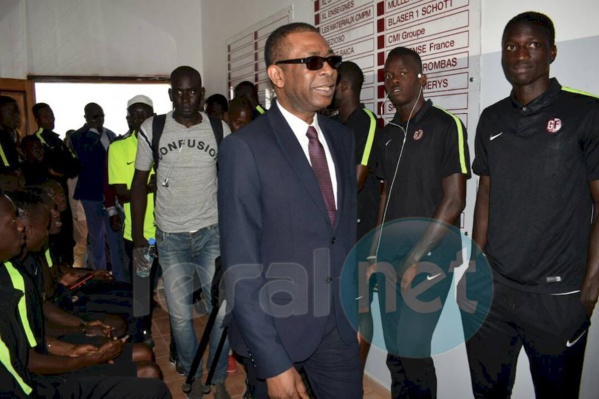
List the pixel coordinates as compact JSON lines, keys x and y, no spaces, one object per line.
{"x":315,"y":62}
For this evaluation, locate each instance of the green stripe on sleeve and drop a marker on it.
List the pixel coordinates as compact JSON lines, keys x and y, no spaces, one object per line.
{"x":460,"y":129}
{"x":370,"y":139}
{"x":575,"y":91}
{"x":19,"y":284}
{"x":5,"y":360}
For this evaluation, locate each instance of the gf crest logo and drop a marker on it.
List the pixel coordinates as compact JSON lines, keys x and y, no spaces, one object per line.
{"x":418,"y":134}
{"x":554,"y":125}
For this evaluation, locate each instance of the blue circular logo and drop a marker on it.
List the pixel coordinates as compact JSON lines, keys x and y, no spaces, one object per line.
{"x":421,"y":287}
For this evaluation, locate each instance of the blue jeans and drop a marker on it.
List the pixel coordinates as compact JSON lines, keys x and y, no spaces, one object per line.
{"x":100,"y":232}
{"x":181,"y":255}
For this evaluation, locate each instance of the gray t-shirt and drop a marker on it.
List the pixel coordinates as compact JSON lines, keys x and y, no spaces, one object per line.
{"x":188,"y":163}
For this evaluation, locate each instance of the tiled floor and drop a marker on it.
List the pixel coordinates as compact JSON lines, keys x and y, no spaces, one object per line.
{"x":235,"y":381}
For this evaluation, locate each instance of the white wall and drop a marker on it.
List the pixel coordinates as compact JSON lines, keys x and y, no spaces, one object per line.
{"x":13,"y":63}
{"x":90,"y":37}
{"x":236,"y":17}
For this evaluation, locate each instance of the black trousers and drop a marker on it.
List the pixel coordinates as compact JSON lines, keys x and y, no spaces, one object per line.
{"x":115,"y":387}
{"x":409,"y":323}
{"x":551,"y":328}
{"x":409,"y":319}
{"x":118,"y":380}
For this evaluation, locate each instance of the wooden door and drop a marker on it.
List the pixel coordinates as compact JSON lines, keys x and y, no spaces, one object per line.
{"x":23,"y":91}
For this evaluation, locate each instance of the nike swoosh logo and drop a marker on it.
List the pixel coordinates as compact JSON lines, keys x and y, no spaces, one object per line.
{"x":429,"y":278}
{"x":387,"y":142}
{"x":129,"y":163}
{"x":570,"y":344}
{"x":495,"y":136}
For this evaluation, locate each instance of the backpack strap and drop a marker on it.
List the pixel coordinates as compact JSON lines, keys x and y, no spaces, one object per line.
{"x":157,"y":128}
{"x":217,"y":129}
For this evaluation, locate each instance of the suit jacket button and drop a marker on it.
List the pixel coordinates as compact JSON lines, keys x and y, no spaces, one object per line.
{"x":328,"y":279}
{"x":333,"y":239}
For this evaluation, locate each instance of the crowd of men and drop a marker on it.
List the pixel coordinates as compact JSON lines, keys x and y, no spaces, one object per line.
{"x":284,"y":202}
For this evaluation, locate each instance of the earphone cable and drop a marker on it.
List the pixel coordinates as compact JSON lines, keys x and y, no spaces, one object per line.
{"x":405,"y":132}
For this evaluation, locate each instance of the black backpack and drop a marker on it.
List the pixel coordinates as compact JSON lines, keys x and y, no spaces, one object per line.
{"x":158,"y":126}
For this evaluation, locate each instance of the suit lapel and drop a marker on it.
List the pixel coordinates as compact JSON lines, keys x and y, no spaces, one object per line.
{"x":297,"y":158}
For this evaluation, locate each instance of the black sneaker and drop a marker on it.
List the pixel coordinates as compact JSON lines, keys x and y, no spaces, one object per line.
{"x":147,"y":339}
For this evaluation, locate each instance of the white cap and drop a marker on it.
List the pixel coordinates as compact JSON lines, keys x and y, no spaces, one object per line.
{"x":140,"y":99}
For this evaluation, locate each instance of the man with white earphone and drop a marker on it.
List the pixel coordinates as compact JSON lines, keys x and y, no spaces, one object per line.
{"x":424,"y":162}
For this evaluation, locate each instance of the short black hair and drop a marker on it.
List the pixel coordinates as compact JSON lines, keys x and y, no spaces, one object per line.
{"x":218,"y":99}
{"x":245,"y":83}
{"x":402,"y":51}
{"x":89,"y":107}
{"x":7,"y":100}
{"x":240,"y":103}
{"x":351,"y":72}
{"x":40,"y":192}
{"x":37,"y":108}
{"x":31,"y":138}
{"x":533,"y":17}
{"x":273,"y":49}
{"x":185,"y":70}
{"x":26,"y":200}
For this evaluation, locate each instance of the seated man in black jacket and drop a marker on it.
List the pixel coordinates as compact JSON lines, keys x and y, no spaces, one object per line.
{"x":17,"y":337}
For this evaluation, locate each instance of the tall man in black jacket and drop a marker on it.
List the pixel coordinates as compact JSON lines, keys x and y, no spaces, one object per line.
{"x":537,"y":155}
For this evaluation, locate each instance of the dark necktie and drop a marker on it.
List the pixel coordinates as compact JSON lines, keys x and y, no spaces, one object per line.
{"x":320,"y":166}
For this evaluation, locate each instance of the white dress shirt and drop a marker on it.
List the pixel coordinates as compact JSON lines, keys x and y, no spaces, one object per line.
{"x":300,"y":128}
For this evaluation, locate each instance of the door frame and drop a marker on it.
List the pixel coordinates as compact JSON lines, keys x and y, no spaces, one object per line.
{"x":23,"y":91}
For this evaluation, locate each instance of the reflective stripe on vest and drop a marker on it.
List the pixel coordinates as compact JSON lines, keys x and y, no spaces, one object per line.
{"x":370,"y":139}
{"x":7,"y":363}
{"x":49,"y":258}
{"x":19,"y":284}
{"x":39,"y":136}
{"x":3,"y":156}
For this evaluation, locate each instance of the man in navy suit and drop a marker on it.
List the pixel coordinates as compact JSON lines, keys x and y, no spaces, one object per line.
{"x":287,"y":215}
